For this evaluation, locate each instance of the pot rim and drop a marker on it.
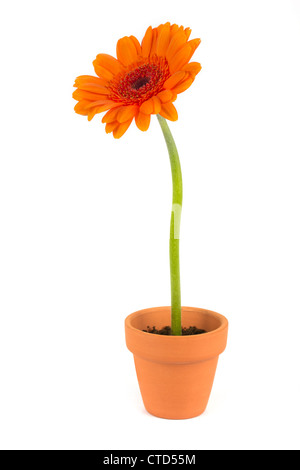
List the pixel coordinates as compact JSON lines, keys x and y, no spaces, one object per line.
{"x":223,"y":322}
{"x":177,"y":349}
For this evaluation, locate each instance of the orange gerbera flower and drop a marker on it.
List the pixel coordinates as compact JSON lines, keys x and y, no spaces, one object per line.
{"x":145,"y":79}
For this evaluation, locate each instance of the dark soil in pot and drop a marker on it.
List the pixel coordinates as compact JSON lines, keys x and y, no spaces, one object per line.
{"x":192,"y":330}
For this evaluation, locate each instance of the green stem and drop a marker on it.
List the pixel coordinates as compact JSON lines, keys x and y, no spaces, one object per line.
{"x":174,"y":227}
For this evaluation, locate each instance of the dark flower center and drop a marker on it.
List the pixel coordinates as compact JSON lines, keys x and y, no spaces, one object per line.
{"x":140,"y":82}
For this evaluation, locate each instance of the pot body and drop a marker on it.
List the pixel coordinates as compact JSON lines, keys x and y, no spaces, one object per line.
{"x":176,"y":373}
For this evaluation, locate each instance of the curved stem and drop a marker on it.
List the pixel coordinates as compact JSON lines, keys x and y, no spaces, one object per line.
{"x":174,"y":227}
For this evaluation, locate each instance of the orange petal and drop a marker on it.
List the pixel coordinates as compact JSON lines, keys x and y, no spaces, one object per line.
{"x":169,"y":111}
{"x":181,"y":87}
{"x":86,"y":95}
{"x":163,"y":40}
{"x":147,"y":107}
{"x":194,"y":43}
{"x":151,"y":106}
{"x":105,"y":107}
{"x":165,"y":95}
{"x":126,"y":51}
{"x":102,"y":72}
{"x":174,"y":79}
{"x":92,"y":113}
{"x":102,"y":105}
{"x":110,"y":126}
{"x":187,"y":32}
{"x":111,"y":115}
{"x":82,"y":79}
{"x":137,"y":45}
{"x":121,"y":129}
{"x":174,"y":29}
{"x":91,"y":104}
{"x":180,"y":59}
{"x":142,"y":121}
{"x":109,"y":63}
{"x":178,"y":40}
{"x":94,"y":88}
{"x":147,"y":42}
{"x":156,"y":105}
{"x":193,"y":68}
{"x":154,"y":42}
{"x":126,"y":112}
{"x":80,"y":107}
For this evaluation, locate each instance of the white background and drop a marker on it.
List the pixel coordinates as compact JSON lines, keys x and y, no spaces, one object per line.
{"x":85,"y":225}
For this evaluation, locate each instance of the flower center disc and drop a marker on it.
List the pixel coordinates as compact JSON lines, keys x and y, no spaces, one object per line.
{"x":140,"y":82}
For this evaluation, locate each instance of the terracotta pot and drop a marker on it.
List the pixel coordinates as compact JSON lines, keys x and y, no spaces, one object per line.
{"x":176,"y":373}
